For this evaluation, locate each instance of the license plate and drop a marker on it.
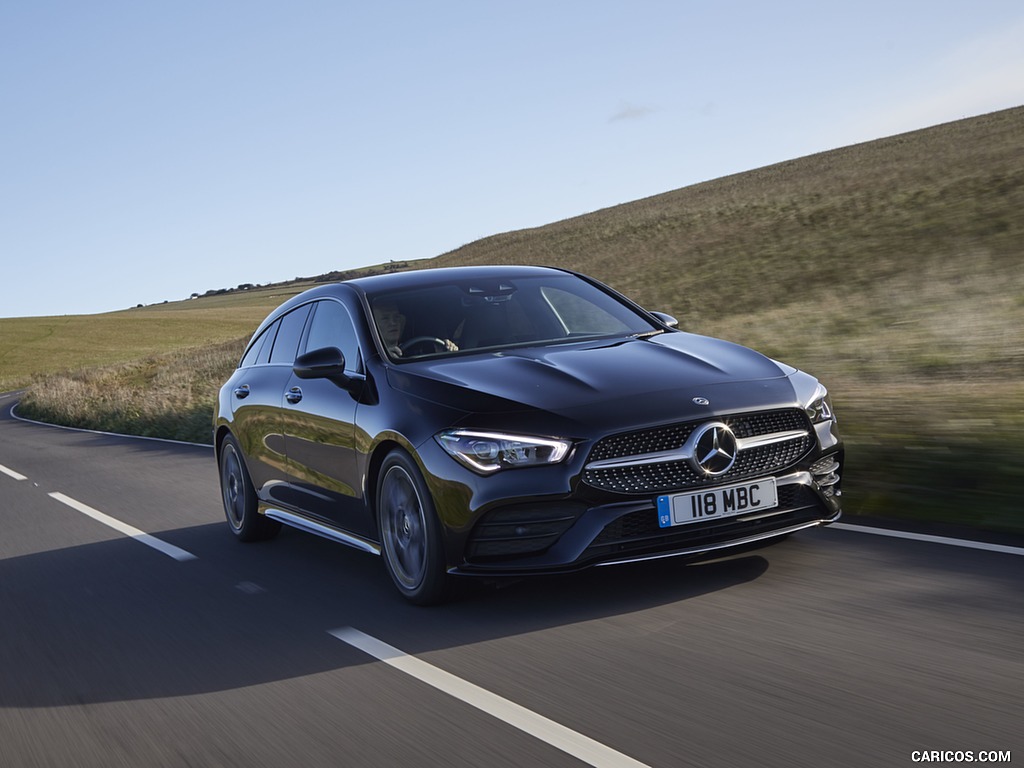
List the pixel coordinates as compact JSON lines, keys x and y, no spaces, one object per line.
{"x":714,"y":503}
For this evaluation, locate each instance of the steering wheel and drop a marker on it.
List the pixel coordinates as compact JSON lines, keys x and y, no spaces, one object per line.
{"x":441,"y":344}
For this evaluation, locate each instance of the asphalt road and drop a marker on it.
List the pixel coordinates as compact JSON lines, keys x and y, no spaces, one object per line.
{"x":832,"y":648}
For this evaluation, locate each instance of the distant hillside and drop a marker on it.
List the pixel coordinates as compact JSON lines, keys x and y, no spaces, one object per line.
{"x":932,"y":202}
{"x":893,"y":270}
{"x":946,"y":197}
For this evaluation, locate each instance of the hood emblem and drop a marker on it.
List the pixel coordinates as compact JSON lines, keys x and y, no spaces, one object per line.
{"x":714,"y":449}
{"x":701,"y":401}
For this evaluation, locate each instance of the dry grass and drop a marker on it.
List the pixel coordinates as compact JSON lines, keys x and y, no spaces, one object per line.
{"x":37,"y":346}
{"x":171,"y":396}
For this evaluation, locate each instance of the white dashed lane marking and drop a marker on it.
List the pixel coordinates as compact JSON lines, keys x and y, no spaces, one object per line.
{"x":140,"y":536}
{"x":11,"y":473}
{"x":965,"y":543}
{"x":569,"y":741}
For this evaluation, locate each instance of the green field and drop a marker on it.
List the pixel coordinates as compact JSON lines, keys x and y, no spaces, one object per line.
{"x":892,"y":270}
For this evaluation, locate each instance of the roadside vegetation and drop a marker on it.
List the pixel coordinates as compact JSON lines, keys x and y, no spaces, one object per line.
{"x":170,"y":396}
{"x":892,"y":270}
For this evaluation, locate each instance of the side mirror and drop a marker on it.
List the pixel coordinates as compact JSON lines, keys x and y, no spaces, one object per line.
{"x":668,"y":320}
{"x":326,"y":363}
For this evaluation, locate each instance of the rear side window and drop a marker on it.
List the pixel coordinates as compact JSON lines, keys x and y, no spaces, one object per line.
{"x":253,"y":354}
{"x":331,"y":326}
{"x":286,"y":345}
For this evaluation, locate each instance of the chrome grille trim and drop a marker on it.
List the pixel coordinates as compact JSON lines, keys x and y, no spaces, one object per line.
{"x":685,"y":452}
{"x":743,"y":443}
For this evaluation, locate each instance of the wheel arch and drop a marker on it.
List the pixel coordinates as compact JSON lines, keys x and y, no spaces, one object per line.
{"x":377,"y":456}
{"x":222,"y":433}
{"x":218,"y":440}
{"x":379,"y":453}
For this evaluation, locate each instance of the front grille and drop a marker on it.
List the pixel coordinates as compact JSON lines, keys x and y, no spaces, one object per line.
{"x":677,"y":475}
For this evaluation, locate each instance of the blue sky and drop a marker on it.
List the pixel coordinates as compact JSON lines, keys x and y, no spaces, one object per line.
{"x":151,"y":150}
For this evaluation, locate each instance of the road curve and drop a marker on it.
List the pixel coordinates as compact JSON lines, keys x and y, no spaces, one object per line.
{"x":830,"y":648}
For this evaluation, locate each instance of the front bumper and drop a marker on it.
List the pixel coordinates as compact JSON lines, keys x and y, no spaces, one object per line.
{"x":583,"y":536}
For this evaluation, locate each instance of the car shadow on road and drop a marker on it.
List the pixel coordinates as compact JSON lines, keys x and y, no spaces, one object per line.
{"x":117,"y":621}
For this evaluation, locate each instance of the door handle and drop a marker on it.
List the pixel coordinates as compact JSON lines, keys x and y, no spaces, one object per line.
{"x":242,"y":392}
{"x":293,"y":395}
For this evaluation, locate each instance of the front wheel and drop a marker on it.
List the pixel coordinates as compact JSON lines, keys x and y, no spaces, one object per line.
{"x":239,"y":497}
{"x":410,"y":531}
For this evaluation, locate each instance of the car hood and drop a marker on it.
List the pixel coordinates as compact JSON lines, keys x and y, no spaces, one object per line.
{"x":634,"y":381}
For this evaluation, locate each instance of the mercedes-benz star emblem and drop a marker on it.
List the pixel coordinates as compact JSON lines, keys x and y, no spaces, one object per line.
{"x":715,"y":449}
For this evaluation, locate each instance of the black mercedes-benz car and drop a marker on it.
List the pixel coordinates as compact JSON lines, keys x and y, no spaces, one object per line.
{"x":514,"y":420}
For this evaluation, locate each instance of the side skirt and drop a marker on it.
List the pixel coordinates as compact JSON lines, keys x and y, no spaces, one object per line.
{"x":318,"y":528}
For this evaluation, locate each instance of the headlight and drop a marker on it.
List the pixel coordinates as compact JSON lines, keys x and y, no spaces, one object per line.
{"x":488,"y":452}
{"x":820,"y":408}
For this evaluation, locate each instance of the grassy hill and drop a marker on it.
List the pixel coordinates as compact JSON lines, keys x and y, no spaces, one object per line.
{"x":893,"y":270}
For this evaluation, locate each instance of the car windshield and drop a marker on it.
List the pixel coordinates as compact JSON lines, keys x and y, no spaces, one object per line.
{"x":484,"y":314}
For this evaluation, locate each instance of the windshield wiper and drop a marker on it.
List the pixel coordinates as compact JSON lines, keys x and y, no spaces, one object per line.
{"x":648,"y":334}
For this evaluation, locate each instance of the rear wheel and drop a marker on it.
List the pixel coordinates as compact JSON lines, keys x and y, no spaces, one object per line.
{"x":410,"y":531}
{"x":239,"y":497}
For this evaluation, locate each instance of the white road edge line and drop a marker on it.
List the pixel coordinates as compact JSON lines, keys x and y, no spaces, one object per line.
{"x":11,"y":473}
{"x":966,"y":543}
{"x":569,"y":741}
{"x":140,"y":536}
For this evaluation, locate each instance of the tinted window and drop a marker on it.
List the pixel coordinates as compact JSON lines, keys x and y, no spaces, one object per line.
{"x":332,"y":327}
{"x":581,"y":316}
{"x":286,"y":345}
{"x":482,"y":314}
{"x":254,"y":350}
{"x":271,"y":334}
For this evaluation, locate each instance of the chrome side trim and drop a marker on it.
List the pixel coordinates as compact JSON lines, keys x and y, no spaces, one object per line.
{"x":797,"y":478}
{"x":320,"y":529}
{"x":685,"y":451}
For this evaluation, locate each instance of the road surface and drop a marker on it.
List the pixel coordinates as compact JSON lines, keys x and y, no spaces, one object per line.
{"x":137,"y":632}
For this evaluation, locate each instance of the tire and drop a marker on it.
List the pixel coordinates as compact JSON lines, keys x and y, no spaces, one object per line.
{"x":410,"y":532}
{"x":239,"y":497}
